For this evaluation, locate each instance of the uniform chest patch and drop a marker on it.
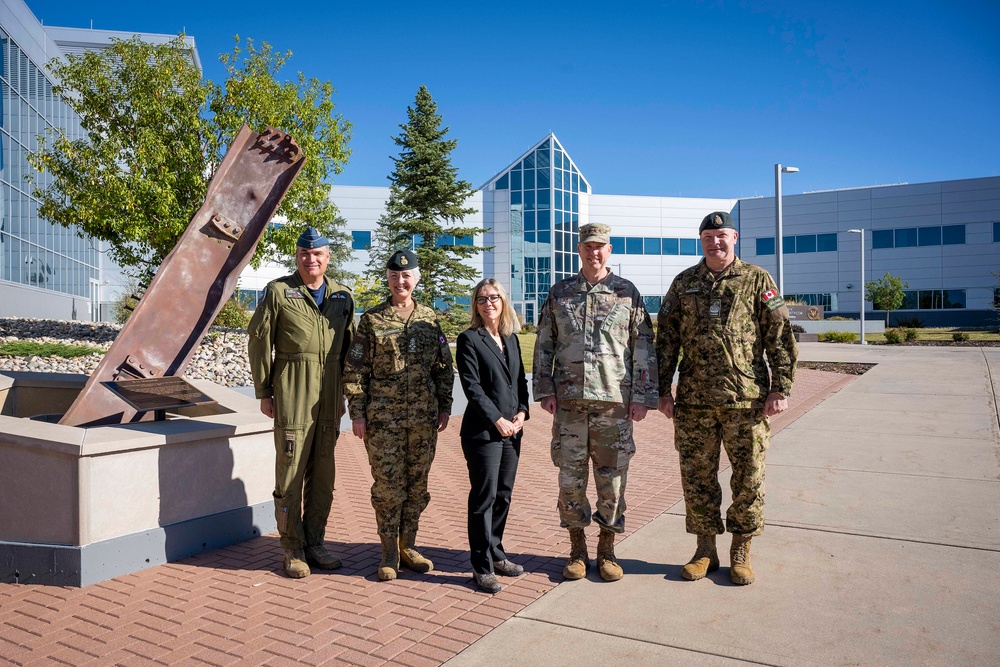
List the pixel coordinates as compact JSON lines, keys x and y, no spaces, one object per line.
{"x":715,"y":308}
{"x":772,"y":300}
{"x":294,"y":293}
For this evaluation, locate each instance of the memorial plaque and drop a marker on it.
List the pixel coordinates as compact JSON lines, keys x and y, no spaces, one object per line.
{"x":165,"y":393}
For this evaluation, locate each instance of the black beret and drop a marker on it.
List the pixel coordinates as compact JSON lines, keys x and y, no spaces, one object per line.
{"x":717,"y":220}
{"x":402,"y":260}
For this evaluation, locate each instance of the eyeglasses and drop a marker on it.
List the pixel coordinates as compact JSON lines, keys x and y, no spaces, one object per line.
{"x":492,"y":298}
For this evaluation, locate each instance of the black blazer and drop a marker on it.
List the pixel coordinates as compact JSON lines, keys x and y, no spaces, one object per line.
{"x":494,"y":388}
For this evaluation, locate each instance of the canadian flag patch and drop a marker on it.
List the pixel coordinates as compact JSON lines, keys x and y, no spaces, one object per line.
{"x":768,"y":295}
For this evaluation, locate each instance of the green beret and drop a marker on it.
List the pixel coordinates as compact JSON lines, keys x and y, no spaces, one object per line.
{"x":717,"y":220}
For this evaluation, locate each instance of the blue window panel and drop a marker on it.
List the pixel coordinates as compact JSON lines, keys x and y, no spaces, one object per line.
{"x":545,"y":146}
{"x":529,"y":178}
{"x":559,"y":218}
{"x":671,"y":247}
{"x":542,"y":158}
{"x":445,"y":239}
{"x":503,"y":182}
{"x":576,"y":209}
{"x":652,"y":304}
{"x":559,"y":247}
{"x":463,"y":240}
{"x":559,"y":257}
{"x":529,"y":221}
{"x":557,"y":158}
{"x":515,"y":179}
{"x":765,"y":246}
{"x":543,"y":223}
{"x":618,"y":244}
{"x":650,"y":246}
{"x":953,"y":234}
{"x":529,"y":200}
{"x":633,"y":245}
{"x":909,"y":300}
{"x":576,"y":225}
{"x":805,"y":243}
{"x":543,"y":178}
{"x":954,"y":298}
{"x":515,"y":197}
{"x":576,"y":263}
{"x":559,"y":200}
{"x":906,"y":237}
{"x":565,"y":180}
{"x":576,"y":181}
{"x":929,"y":236}
{"x":788,"y":244}
{"x":542,"y":198}
{"x":529,"y":237}
{"x":826,"y":243}
{"x":996,"y":232}
{"x":882,"y":238}
{"x":529,"y":161}
{"x":544,"y":236}
{"x":361,"y":240}
{"x":689,"y":246}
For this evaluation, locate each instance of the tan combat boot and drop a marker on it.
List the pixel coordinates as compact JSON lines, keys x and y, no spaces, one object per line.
{"x":390,"y":560}
{"x":318,"y":556}
{"x":704,"y":560}
{"x":606,"y":561}
{"x":295,"y":564}
{"x":410,"y":557}
{"x":579,"y":560}
{"x":739,"y":561}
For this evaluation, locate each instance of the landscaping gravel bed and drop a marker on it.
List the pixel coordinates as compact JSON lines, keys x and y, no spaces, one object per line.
{"x":221,"y":357}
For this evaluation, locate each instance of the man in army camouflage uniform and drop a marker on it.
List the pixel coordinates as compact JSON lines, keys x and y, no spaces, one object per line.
{"x":724,"y":315}
{"x":299,"y":335}
{"x":595,"y":370}
{"x":399,"y":380}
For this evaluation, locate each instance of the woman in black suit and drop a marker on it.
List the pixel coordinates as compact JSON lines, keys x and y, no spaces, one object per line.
{"x":492,"y":375}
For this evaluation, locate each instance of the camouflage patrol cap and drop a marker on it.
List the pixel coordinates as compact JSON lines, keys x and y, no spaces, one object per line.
{"x":402,"y":260}
{"x":311,"y":238}
{"x":595,"y":232}
{"x":717,"y":220}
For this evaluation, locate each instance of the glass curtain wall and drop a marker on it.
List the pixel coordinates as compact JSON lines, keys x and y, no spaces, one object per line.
{"x":34,"y":251}
{"x":545,"y":188}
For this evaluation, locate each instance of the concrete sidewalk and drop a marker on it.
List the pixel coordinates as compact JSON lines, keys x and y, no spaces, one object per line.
{"x":882,"y":546}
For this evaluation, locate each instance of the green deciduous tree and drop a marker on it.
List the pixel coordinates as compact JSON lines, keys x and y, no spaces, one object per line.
{"x":886,"y":294}
{"x":154,"y":131}
{"x":426,"y":208}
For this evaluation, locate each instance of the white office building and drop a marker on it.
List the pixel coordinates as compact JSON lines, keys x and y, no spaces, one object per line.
{"x":942,"y":239}
{"x":46,"y":270}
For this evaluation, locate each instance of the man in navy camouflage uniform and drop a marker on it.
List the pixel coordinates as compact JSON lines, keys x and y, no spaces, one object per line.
{"x":722,"y":315}
{"x":595,"y":370}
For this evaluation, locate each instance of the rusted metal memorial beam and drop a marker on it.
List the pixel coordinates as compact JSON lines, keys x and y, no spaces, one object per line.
{"x":197,"y":277}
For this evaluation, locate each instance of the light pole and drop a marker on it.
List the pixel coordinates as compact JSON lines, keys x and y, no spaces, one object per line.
{"x":862,"y":285}
{"x":778,"y":171}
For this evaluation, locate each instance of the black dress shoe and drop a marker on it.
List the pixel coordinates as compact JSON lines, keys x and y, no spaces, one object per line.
{"x":487,"y":582}
{"x":507,"y":568}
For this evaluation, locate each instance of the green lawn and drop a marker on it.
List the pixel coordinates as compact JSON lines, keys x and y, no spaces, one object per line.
{"x":942,"y":333}
{"x":22,"y":348}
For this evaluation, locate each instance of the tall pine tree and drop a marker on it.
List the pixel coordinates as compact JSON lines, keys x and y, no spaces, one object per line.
{"x":426,"y":208}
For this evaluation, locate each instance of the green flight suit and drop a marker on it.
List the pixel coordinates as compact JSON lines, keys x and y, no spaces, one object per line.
{"x":297,"y":353}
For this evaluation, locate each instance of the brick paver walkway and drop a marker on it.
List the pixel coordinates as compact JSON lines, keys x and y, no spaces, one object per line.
{"x":233,"y":606}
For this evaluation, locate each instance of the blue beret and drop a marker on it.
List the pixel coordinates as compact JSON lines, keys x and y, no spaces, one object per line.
{"x":311,"y":238}
{"x":402,"y":260}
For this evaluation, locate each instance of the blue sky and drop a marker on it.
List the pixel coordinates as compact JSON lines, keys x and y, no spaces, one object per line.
{"x":674,"y":98}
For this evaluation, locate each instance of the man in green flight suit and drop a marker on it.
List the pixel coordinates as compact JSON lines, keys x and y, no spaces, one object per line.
{"x":299,"y":337}
{"x":725,"y":315}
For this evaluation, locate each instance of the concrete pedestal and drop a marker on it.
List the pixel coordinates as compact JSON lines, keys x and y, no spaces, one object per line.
{"x":81,"y":505}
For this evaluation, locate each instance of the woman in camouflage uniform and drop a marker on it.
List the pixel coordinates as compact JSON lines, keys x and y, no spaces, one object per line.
{"x":398,"y":380}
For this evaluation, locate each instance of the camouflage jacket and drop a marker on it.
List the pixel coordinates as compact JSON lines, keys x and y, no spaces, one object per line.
{"x":399,"y":373}
{"x":595,"y":343}
{"x":724,"y":326}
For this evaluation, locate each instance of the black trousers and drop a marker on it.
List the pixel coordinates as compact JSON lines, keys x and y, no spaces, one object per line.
{"x":492,"y":469}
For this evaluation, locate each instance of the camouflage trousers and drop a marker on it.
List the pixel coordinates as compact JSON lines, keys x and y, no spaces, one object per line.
{"x":586,"y":432}
{"x":401,"y":462}
{"x":304,"y":471}
{"x":699,"y":435}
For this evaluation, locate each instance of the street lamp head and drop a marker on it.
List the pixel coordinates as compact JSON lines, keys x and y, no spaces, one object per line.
{"x":855,"y":231}
{"x":789,"y":170}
